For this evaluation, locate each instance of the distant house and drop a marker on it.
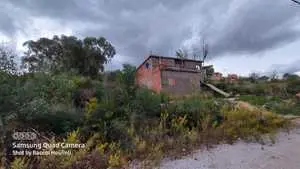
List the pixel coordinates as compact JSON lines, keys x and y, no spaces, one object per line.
{"x":217,"y":76}
{"x":170,"y":75}
{"x":232,"y":77}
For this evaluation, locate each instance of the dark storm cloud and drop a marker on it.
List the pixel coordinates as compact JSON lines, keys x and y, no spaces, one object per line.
{"x":64,"y":9}
{"x":259,"y":26}
{"x":137,"y":27}
{"x":7,"y":26}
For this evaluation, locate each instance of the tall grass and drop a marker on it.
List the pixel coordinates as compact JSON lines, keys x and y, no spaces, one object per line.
{"x":274,"y":103}
{"x":123,"y":122}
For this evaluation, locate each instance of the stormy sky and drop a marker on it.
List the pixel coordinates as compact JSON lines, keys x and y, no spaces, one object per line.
{"x":243,"y":35}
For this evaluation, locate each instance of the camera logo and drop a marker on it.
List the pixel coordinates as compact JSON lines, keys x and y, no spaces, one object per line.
{"x":24,"y":136}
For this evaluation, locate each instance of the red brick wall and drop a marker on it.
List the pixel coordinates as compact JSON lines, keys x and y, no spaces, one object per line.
{"x":156,"y":76}
{"x":149,"y":77}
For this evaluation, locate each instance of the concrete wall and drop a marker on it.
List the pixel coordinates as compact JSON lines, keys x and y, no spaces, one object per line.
{"x":180,"y":83}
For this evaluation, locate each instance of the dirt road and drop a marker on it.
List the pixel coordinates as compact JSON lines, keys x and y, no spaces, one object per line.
{"x":284,"y":154}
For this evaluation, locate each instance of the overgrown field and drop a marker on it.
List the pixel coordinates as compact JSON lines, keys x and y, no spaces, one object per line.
{"x":118,"y":121}
{"x":278,"y":96}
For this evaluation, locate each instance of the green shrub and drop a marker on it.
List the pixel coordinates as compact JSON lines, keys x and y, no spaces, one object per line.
{"x":146,"y":103}
{"x":124,"y":121}
{"x":293,"y":87}
{"x":250,"y":124}
{"x":259,"y":100}
{"x":284,"y":107}
{"x":197,"y":109}
{"x":274,"y":104}
{"x":262,"y":88}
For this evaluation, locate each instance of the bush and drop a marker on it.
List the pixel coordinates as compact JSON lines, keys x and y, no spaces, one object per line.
{"x":250,"y":124}
{"x":196,"y":109}
{"x":123,"y":121}
{"x":293,"y":87}
{"x":259,"y":100}
{"x":274,"y":104}
{"x":146,"y":103}
{"x":244,"y":87}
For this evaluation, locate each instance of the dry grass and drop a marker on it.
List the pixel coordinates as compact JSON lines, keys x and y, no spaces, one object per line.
{"x":171,"y":136}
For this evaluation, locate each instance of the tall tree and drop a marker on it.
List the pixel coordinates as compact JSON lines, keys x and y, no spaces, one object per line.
{"x":7,"y":60}
{"x":254,"y":77}
{"x":65,"y":53}
{"x":274,"y":76}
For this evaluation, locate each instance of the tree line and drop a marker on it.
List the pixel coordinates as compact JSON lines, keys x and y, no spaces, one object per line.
{"x":61,"y":54}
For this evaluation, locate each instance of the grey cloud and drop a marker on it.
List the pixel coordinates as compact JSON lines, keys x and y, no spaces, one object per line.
{"x":137,"y":27}
{"x":286,"y":68}
{"x":6,"y":20}
{"x":6,"y":25}
{"x":258,"y":27}
{"x":89,"y":10}
{"x":53,"y":8}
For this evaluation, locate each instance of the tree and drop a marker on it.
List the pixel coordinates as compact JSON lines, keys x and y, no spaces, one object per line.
{"x":210,"y":71}
{"x":68,"y":53}
{"x":7,"y":60}
{"x":254,"y":77}
{"x":264,"y":78}
{"x":182,"y":53}
{"x":8,"y":97}
{"x":274,"y":76}
{"x":126,"y":77}
{"x":288,"y":76}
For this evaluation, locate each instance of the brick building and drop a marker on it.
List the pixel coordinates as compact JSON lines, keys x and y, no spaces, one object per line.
{"x":232,"y":77}
{"x":170,"y":75}
{"x":217,"y":76}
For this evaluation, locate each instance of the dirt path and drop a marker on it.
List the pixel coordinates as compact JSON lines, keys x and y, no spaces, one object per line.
{"x":284,"y":154}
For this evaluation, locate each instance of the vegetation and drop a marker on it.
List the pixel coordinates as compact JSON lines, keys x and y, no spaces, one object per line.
{"x":118,"y":121}
{"x":278,"y":96}
{"x":66,"y":53}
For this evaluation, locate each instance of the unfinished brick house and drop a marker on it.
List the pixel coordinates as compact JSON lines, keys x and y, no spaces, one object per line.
{"x":170,"y":75}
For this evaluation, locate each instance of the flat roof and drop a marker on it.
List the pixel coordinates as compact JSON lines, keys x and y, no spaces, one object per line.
{"x":167,"y":57}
